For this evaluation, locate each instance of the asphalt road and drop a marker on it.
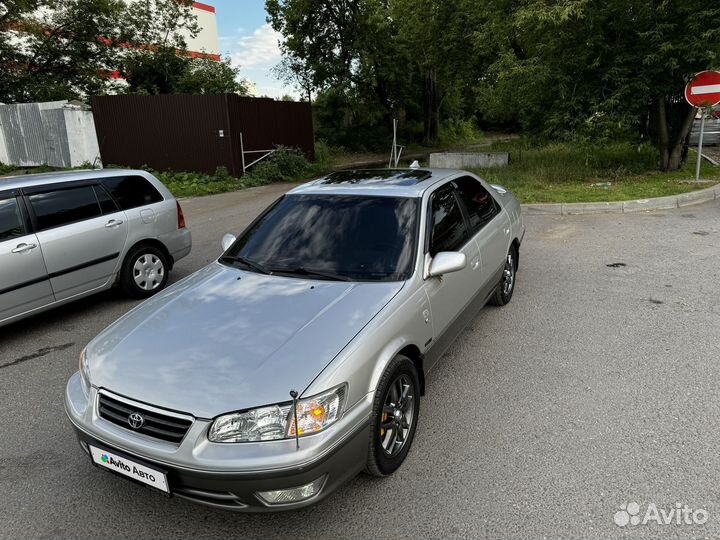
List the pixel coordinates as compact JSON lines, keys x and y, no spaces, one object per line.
{"x":596,"y":386}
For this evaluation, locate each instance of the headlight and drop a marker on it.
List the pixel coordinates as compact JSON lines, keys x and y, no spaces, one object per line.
{"x":84,"y":374}
{"x":278,"y":421}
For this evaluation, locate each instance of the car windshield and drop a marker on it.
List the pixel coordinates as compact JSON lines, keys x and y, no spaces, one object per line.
{"x":340,"y":237}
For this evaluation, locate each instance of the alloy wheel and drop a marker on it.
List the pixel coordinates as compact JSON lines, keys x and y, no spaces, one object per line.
{"x":508,"y":274}
{"x":397,"y":415}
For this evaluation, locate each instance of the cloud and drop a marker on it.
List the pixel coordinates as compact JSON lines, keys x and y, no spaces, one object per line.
{"x":259,"y":50}
{"x":256,"y":54}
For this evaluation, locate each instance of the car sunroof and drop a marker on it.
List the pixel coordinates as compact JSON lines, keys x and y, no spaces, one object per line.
{"x":401,"y":177}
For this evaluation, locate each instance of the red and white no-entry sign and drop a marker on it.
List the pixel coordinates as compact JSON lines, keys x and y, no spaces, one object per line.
{"x":704,"y":89}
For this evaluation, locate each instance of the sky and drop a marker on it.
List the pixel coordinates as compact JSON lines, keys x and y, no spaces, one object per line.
{"x":250,"y":42}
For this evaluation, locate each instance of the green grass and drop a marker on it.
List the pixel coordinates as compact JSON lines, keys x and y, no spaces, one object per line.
{"x":13,"y":170}
{"x":566,"y":173}
{"x":184,"y":184}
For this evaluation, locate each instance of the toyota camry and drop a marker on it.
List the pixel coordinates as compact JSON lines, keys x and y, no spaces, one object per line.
{"x":299,"y":357}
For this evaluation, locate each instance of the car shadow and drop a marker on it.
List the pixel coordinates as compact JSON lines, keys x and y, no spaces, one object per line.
{"x":66,"y":315}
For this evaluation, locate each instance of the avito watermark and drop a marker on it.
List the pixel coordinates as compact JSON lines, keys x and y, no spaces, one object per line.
{"x":680,"y":514}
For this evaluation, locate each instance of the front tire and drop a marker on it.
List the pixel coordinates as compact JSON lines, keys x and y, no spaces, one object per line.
{"x":396,"y":410}
{"x":506,"y":287}
{"x":144,"y":272}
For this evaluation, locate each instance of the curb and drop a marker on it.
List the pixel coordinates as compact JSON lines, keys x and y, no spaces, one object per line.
{"x":624,"y":207}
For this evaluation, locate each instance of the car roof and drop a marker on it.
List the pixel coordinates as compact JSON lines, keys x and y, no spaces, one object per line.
{"x":28,"y":180}
{"x":388,"y":182}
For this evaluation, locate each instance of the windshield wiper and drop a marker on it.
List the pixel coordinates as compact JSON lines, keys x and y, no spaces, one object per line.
{"x":247,"y":262}
{"x":312,"y":273}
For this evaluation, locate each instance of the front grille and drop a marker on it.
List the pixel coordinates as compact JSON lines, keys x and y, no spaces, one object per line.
{"x":165,"y":426}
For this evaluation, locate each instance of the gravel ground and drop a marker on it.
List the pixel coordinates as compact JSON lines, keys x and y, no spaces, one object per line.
{"x":595,"y":387}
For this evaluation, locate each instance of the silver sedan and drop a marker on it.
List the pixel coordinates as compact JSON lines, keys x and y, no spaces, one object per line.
{"x":297,"y":359}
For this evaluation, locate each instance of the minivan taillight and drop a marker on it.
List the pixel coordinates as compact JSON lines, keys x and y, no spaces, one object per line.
{"x":181,"y":216}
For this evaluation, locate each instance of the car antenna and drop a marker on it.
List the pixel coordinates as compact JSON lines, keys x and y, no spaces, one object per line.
{"x":294,"y":396}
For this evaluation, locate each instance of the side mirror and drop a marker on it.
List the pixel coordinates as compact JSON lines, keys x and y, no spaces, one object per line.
{"x":446,"y":262}
{"x":227,"y":241}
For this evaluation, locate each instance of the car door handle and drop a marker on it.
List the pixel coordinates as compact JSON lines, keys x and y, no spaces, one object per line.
{"x":475,"y":263}
{"x":113,"y":223}
{"x":22,"y":248}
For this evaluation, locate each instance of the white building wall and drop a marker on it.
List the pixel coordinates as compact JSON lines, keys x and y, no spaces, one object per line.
{"x":207,"y":40}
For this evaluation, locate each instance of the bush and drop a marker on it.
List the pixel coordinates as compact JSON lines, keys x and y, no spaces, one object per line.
{"x":6,"y":169}
{"x":459,"y":132}
{"x":323,"y":153}
{"x":284,"y":165}
{"x":192,"y":184}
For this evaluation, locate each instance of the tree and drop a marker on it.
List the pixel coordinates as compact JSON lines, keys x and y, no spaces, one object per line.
{"x":577,"y":68}
{"x":437,"y":33}
{"x":52,"y":49}
{"x":379,"y":59}
{"x":155,"y":44}
{"x":206,"y":76}
{"x":154,"y":72}
{"x":58,"y":56}
{"x":560,"y":69}
{"x":293,"y":71}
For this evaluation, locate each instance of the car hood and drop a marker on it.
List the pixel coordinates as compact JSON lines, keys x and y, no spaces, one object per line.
{"x":224,"y":340}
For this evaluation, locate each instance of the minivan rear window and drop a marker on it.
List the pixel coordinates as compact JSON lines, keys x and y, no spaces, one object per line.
{"x":64,"y":206}
{"x":11,"y":225}
{"x":131,"y":191}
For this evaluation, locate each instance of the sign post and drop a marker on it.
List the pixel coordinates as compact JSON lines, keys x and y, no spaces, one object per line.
{"x":700,"y":141}
{"x":703,"y":91}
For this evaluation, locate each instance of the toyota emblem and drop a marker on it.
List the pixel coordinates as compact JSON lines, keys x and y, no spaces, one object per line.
{"x":136,"y":420}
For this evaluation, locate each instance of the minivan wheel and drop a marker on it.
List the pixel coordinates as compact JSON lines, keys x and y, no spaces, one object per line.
{"x":506,"y":287}
{"x":396,"y":409}
{"x":144,"y":272}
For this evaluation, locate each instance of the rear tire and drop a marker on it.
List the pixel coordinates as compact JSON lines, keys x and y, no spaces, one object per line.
{"x":144,"y":272}
{"x":396,"y":410}
{"x":506,"y":287}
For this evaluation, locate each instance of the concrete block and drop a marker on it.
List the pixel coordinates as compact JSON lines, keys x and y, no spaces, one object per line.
{"x":468,"y":160}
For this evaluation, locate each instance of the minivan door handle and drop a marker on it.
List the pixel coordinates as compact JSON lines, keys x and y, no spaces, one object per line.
{"x":113,"y":223}
{"x":22,"y":248}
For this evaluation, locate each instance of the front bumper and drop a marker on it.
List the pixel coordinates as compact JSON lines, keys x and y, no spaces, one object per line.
{"x":216,"y":483}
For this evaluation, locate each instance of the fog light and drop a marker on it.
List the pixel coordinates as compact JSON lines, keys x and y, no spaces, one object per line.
{"x":292,"y":495}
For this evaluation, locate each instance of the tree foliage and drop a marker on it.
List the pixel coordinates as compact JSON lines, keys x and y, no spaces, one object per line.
{"x":68,"y":49}
{"x":559,"y":69}
{"x":378,"y":59}
{"x":57,"y":56}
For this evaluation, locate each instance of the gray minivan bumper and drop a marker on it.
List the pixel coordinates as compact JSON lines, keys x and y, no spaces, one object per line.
{"x":179,"y":244}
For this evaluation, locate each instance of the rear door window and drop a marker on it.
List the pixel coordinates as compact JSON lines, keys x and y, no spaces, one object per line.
{"x":11,"y":222}
{"x":448,"y":225}
{"x":107,"y":205}
{"x":64,"y":206}
{"x":481,"y":206}
{"x":132,"y":191}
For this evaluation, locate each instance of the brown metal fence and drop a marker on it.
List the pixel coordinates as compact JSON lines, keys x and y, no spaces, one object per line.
{"x":197,"y":133}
